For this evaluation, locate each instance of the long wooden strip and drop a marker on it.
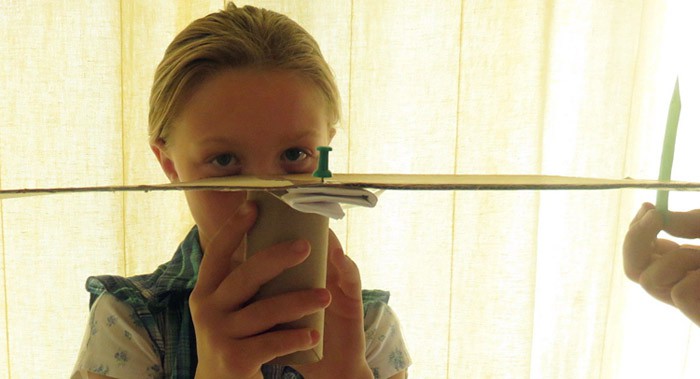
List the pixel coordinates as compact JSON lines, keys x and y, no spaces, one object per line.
{"x":380,"y":181}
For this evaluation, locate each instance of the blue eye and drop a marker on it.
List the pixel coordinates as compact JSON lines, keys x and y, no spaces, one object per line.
{"x":223,"y":160}
{"x":294,"y":155}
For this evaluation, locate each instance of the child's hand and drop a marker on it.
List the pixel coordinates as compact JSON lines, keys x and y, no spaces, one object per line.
{"x":669,"y":272}
{"x":231,"y":337}
{"x":344,"y":334}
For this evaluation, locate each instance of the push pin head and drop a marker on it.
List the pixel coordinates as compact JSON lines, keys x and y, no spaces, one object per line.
{"x":322,"y":170}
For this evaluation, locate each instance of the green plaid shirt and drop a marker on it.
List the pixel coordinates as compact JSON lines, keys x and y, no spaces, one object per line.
{"x":160,"y":300}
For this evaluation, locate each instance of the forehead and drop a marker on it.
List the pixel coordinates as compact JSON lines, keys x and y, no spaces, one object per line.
{"x":243,"y":101}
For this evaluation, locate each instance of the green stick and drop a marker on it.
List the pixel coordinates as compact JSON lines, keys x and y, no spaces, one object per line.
{"x":674,"y":111}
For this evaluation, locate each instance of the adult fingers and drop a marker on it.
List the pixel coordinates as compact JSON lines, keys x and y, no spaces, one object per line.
{"x":216,"y":262}
{"x":667,"y":271}
{"x":686,"y":296}
{"x":684,"y":224}
{"x":246,"y":279}
{"x":639,"y":244}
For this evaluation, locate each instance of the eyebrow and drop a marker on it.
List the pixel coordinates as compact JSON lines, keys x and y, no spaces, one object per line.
{"x":216,"y":140}
{"x":225,"y":140}
{"x":306,"y":134}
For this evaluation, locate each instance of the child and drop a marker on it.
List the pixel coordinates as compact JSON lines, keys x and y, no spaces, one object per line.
{"x":242,"y":91}
{"x":669,"y":272}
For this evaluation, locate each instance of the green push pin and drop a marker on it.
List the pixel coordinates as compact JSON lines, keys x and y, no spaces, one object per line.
{"x":322,"y":170}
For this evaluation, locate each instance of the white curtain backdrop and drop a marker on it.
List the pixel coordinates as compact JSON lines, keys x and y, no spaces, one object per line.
{"x":491,"y":284}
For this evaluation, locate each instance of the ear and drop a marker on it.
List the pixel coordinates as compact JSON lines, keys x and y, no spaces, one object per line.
{"x":166,"y":163}
{"x":331,"y":134}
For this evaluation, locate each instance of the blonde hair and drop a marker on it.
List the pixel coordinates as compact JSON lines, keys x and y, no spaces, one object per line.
{"x":235,"y":38}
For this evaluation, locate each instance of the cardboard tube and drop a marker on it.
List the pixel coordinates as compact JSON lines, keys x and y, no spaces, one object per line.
{"x":277,"y":222}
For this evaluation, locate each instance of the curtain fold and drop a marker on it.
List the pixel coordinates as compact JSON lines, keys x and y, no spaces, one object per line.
{"x":486,"y":283}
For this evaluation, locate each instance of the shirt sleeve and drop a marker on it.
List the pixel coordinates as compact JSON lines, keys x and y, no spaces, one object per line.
{"x":386,"y":351}
{"x":116,"y":344}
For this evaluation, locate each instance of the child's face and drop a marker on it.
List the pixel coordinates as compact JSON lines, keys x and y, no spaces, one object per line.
{"x":243,"y":122}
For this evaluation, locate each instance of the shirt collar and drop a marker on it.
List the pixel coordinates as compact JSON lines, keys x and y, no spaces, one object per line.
{"x":180,"y":274}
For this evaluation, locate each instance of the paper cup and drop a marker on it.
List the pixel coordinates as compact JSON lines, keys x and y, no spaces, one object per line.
{"x":277,"y":222}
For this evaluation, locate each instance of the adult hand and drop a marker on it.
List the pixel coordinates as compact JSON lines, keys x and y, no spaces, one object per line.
{"x":668,"y":271}
{"x":233,"y":340}
{"x":344,"y":334}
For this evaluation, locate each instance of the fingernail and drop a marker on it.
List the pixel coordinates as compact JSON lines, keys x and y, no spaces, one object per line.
{"x":314,"y":337}
{"x":244,"y":209}
{"x":324,"y":297}
{"x":300,"y":246}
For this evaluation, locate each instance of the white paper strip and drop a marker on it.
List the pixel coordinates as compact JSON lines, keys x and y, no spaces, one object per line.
{"x":328,"y":201}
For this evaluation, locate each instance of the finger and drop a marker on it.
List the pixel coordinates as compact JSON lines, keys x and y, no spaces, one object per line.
{"x":639,"y":244}
{"x":646,"y":207}
{"x":345,"y":287}
{"x":667,"y":271}
{"x":347,"y":274}
{"x":263,"y":314}
{"x":333,"y":247}
{"x":663,"y":246}
{"x":245,"y":280}
{"x":268,"y":346}
{"x":216,"y":262}
{"x":684,"y":224}
{"x":686,"y":296}
{"x":343,"y":273}
{"x":333,"y":241}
